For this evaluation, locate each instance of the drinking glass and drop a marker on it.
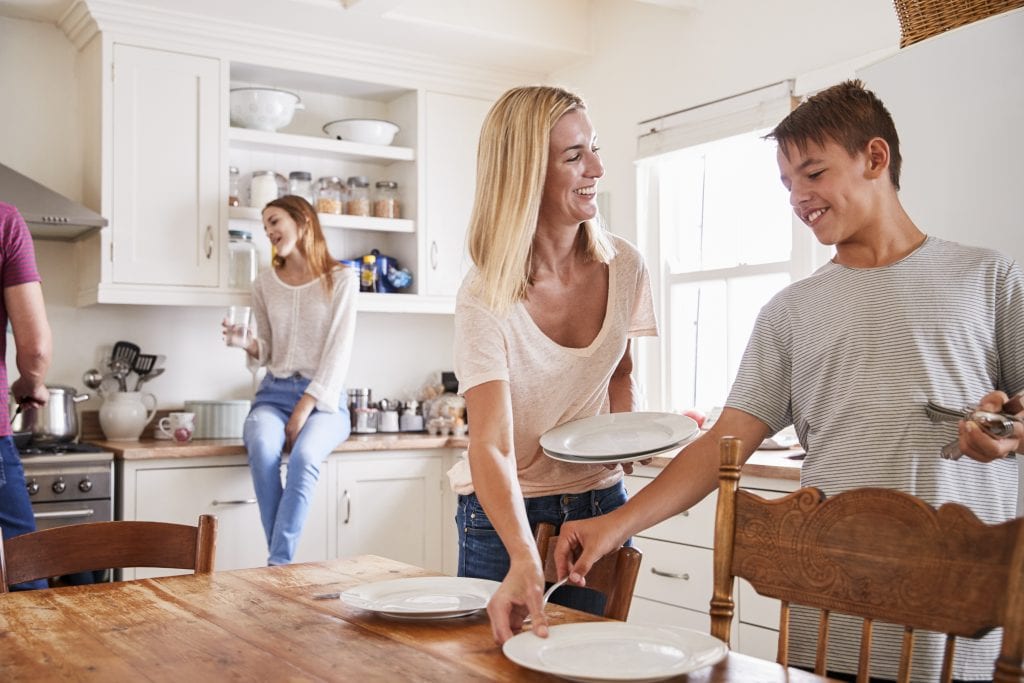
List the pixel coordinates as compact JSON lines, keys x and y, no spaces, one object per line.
{"x":238,"y":326}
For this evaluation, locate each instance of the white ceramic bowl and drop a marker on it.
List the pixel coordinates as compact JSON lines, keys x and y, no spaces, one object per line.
{"x":370,"y":131}
{"x":263,"y":108}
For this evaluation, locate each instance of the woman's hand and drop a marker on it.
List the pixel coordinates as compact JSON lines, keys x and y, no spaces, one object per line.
{"x":978,"y":444}
{"x":518,"y":596}
{"x":583,"y":542}
{"x":300,"y":413}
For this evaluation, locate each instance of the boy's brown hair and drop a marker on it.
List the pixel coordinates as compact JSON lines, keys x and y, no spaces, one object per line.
{"x":846,"y":113}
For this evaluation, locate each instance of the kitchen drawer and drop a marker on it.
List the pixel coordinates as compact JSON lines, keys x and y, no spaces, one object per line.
{"x":644,"y":611}
{"x":695,"y":526}
{"x":675,"y":574}
{"x":754,"y":608}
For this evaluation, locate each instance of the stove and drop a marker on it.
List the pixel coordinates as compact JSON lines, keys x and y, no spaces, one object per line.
{"x":70,"y":483}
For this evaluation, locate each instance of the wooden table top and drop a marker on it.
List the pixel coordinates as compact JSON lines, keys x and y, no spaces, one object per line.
{"x":263,"y":624}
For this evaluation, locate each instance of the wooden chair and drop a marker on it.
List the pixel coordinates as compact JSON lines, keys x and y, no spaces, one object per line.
{"x":102,"y":545}
{"x":614,"y":575}
{"x":876,"y":554}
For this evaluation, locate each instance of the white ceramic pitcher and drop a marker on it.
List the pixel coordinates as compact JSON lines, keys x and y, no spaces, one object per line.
{"x":125,"y":414}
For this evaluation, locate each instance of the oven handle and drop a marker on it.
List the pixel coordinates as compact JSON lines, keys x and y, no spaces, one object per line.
{"x":64,"y":514}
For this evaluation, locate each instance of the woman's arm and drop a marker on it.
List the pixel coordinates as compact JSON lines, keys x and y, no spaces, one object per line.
{"x":622,"y":387}
{"x":496,"y":481}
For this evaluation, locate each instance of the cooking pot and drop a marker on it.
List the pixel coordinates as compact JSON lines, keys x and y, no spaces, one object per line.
{"x":56,"y":422}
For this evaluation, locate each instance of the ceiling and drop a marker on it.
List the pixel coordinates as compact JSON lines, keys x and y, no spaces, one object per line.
{"x":529,"y":35}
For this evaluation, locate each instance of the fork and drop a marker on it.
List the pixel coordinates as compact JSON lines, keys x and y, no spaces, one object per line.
{"x":998,"y":425}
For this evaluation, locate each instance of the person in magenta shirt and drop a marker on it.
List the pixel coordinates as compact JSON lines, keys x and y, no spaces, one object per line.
{"x":22,"y":306}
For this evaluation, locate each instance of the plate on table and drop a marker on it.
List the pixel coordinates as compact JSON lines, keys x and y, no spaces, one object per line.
{"x":598,"y":652}
{"x":424,"y":597}
{"x":619,"y":435}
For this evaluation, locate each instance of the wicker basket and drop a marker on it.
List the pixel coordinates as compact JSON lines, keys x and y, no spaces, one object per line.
{"x":920,"y":19}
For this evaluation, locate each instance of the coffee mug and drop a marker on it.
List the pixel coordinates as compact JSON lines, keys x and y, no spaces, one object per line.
{"x":178,"y":426}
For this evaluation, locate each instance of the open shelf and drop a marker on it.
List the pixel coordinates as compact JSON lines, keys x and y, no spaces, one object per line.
{"x":331,"y":220}
{"x":263,"y":141}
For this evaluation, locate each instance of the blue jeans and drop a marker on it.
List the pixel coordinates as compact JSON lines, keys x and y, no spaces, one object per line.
{"x":15,"y":507}
{"x":482,"y":554}
{"x":283,"y":509}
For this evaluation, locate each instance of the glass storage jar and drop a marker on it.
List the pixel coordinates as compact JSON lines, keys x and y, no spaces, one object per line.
{"x":385,"y":200}
{"x":234,"y":186}
{"x":263,"y":189}
{"x":358,"y":203}
{"x":328,"y":195}
{"x":300,"y":183}
{"x":243,"y":264}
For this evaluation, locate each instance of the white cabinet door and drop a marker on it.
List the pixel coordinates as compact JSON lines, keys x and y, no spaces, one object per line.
{"x":165,"y":221}
{"x":452,"y":131}
{"x":181,"y":494}
{"x":390,"y":504}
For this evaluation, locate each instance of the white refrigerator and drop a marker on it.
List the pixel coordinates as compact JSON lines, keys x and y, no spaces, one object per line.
{"x":958,"y":103}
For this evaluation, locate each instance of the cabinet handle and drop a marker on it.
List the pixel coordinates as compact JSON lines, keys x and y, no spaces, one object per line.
{"x":243,"y":501}
{"x":670,"y":575}
{"x":64,"y":514}
{"x":685,"y":513}
{"x":433,"y":255}
{"x":209,"y":241}
{"x":348,"y":507}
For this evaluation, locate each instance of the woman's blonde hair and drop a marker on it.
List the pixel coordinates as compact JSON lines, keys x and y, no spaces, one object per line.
{"x":311,"y":241}
{"x":511,"y":169}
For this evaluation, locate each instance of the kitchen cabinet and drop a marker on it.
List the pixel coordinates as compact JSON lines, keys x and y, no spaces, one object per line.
{"x":452,"y":130}
{"x":391,"y":503}
{"x":180,"y":490}
{"x":160,"y":178}
{"x":676,"y":579}
{"x":159,"y":142}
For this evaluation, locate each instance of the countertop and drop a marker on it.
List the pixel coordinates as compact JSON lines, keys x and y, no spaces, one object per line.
{"x":773,"y":464}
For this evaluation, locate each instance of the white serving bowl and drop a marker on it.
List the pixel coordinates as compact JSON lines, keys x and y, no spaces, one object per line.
{"x":370,"y":131}
{"x":263,"y":108}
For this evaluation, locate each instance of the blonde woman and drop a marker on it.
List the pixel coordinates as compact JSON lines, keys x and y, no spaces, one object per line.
{"x":543,"y":325}
{"x":305,"y":312}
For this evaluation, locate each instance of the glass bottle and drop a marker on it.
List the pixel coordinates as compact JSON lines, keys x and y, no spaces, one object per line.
{"x":328,"y":195}
{"x":243,"y":264}
{"x":300,"y":183}
{"x":234,"y":186}
{"x":358,"y":203}
{"x":385,"y":200}
{"x":368,"y":274}
{"x":263,"y":189}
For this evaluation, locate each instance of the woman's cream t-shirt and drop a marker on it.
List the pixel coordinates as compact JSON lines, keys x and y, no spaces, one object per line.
{"x":552,"y":384}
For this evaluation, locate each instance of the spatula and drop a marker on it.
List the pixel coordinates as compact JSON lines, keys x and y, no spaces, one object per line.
{"x":144,"y":364}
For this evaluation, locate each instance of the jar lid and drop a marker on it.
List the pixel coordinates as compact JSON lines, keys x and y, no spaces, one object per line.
{"x":240,"y":234}
{"x":358,"y":181}
{"x":300,"y":175}
{"x":256,"y":173}
{"x":387,"y":185}
{"x":233,"y":170}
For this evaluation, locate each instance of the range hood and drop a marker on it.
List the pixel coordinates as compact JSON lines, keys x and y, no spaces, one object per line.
{"x":50,"y":215}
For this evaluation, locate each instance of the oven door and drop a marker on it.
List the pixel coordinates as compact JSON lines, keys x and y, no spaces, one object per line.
{"x":50,"y":515}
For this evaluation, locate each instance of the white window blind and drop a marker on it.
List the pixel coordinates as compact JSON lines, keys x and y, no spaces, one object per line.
{"x":752,"y":110}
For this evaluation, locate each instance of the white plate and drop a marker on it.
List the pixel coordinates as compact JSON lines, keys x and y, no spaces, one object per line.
{"x":427,"y":597}
{"x":612,"y":459}
{"x":615,"y":651}
{"x":619,"y":434}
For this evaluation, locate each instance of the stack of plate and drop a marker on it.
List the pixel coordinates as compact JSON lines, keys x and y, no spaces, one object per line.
{"x":619,"y":437}
{"x":427,"y":597}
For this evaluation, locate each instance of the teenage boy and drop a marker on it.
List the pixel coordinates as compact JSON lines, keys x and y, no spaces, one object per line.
{"x":850,"y":356}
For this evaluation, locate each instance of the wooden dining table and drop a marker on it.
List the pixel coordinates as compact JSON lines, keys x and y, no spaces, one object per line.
{"x":265,"y":624}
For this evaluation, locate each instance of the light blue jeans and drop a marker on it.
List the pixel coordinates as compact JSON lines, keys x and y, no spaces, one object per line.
{"x":283,"y":509}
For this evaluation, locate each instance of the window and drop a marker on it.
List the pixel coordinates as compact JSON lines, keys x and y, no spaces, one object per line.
{"x":720,"y":240}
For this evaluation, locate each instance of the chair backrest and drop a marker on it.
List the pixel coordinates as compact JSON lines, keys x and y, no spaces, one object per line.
{"x":614,"y":575}
{"x":876,"y":554}
{"x":102,"y":545}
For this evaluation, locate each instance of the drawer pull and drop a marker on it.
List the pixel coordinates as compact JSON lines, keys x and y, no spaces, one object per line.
{"x":670,"y":575}
{"x":244,"y":501}
{"x":685,"y":513}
